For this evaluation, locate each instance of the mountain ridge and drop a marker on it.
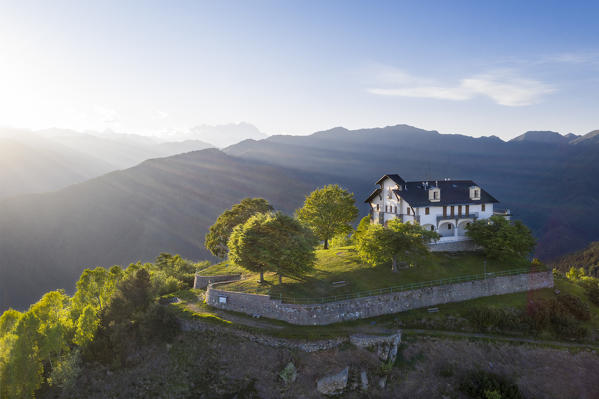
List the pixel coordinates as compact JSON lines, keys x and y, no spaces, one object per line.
{"x":167,"y":204}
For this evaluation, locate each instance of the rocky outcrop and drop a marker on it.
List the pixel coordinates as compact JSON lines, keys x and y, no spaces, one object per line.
{"x":333,"y":384}
{"x":363,"y":381}
{"x":386,"y":346}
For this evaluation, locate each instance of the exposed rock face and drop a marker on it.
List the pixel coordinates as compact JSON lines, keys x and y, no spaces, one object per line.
{"x":363,"y":381}
{"x":333,"y":384}
{"x":386,"y":346}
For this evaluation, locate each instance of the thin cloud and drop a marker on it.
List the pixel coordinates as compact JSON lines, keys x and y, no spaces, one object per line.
{"x":107,"y":115}
{"x":503,"y":87}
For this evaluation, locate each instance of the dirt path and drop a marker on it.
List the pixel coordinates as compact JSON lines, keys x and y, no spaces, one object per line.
{"x":498,"y":338}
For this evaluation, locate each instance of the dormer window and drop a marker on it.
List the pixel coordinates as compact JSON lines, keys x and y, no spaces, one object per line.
{"x":475,"y":193}
{"x":434,"y":194}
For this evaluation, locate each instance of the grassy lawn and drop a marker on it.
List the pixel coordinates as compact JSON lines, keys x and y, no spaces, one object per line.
{"x":344,"y":264}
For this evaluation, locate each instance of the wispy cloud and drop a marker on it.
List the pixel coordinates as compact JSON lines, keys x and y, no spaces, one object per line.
{"x":504,"y":87}
{"x":107,"y":115}
{"x":161,"y":115}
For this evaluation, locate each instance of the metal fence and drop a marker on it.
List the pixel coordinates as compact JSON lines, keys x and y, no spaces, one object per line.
{"x":404,"y":287}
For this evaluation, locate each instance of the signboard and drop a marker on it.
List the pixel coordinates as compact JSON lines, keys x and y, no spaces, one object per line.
{"x":222,"y":299}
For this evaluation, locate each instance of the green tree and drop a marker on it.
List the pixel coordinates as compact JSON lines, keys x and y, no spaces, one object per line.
{"x":219,"y":233}
{"x":328,"y":211}
{"x":177,"y":267}
{"x":87,"y":325}
{"x":273,"y":242}
{"x":95,"y":288}
{"x":502,"y":239}
{"x":54,"y":325}
{"x":23,"y":371}
{"x":396,"y":242}
{"x":9,"y":320}
{"x":362,"y":227}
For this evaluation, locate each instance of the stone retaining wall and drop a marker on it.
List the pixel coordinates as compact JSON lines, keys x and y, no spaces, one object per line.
{"x":201,"y":282}
{"x":455,"y":246}
{"x":362,"y":308}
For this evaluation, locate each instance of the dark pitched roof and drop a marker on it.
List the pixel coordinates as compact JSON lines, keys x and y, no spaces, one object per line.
{"x":396,"y":178}
{"x":452,"y":192}
{"x":373,"y":194}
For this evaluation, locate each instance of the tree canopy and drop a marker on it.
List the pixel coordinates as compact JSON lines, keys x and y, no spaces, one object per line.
{"x":396,"y":242}
{"x":328,"y":211}
{"x":500,"y":238}
{"x":273,"y":242}
{"x":218,"y":236}
{"x":109,"y":312}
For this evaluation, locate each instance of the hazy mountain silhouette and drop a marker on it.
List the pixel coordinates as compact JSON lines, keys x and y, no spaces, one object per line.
{"x":589,"y":138}
{"x":220,"y":135}
{"x":162,"y":204}
{"x":545,"y":137}
{"x":34,"y":162}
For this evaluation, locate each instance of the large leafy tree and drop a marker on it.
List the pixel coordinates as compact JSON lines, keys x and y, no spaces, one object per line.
{"x":328,"y":211}
{"x":396,"y":242}
{"x":219,"y":233}
{"x":502,"y":239}
{"x":273,"y":242}
{"x":95,"y":287}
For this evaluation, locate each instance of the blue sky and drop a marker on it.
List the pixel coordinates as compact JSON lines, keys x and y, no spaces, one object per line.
{"x":295,"y":67}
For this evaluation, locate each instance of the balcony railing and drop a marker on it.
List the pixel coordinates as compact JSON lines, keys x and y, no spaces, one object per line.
{"x":457,"y":216}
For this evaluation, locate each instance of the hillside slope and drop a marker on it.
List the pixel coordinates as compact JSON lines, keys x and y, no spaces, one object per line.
{"x":41,"y":161}
{"x":168,"y":204}
{"x":160,"y":205}
{"x":587,"y":258}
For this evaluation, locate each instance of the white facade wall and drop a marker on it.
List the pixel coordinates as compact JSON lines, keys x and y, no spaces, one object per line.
{"x":391,"y":207}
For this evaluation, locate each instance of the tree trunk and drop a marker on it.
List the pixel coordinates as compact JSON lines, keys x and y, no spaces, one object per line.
{"x":261,"y":276}
{"x":394,"y":264}
{"x":326,"y":243}
{"x":280,"y":279}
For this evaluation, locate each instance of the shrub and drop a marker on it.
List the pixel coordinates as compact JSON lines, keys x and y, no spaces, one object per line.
{"x":485,"y":385}
{"x":341,"y":240}
{"x":447,"y":370}
{"x":575,"y":306}
{"x":538,"y":315}
{"x":159,"y":323}
{"x":593,"y":294}
{"x":485,"y":319}
{"x":566,"y":326}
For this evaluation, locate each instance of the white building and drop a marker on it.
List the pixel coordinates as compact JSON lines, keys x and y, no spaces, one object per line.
{"x":445,"y":206}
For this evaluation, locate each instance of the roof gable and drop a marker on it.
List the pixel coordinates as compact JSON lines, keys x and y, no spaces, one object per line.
{"x":396,"y":178}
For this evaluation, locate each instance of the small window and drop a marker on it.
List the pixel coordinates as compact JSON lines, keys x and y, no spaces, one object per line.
{"x":436,"y":195}
{"x":476,"y":193}
{"x":449,"y":227}
{"x":427,"y":211}
{"x":432,"y":228}
{"x":482,"y":207}
{"x":377,"y":207}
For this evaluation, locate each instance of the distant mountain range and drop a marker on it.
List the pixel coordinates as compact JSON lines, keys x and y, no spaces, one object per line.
{"x":46,"y":160}
{"x":220,"y":136}
{"x":168,"y":204}
{"x":556,"y":138}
